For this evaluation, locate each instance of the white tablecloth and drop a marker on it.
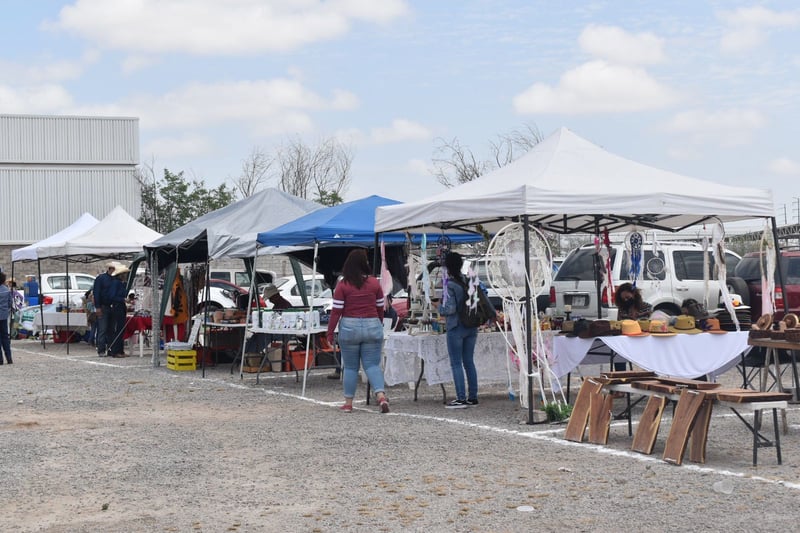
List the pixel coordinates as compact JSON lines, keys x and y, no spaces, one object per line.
{"x":404,"y":354}
{"x":76,"y":320}
{"x":681,"y":356}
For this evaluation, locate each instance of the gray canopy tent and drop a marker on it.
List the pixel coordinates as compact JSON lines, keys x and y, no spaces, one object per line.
{"x":568,"y":185}
{"x":228,"y":232}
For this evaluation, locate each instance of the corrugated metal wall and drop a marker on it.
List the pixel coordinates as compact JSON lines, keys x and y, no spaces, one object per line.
{"x":69,"y":140}
{"x":46,"y":200}
{"x":53,"y":169}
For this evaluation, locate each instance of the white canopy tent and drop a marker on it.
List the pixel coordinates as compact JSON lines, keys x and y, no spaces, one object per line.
{"x":567,"y":184}
{"x":31,"y":252}
{"x":116,"y":235}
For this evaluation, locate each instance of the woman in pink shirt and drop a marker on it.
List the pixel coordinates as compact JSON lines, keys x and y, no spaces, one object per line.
{"x":358,"y":311}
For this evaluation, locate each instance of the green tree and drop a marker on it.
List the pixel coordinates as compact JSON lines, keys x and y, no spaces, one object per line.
{"x":174,"y":201}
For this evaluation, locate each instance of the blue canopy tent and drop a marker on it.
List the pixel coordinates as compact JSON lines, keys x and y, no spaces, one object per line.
{"x":334,"y":230}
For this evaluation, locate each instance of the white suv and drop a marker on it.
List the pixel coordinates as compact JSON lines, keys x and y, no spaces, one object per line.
{"x":674,"y":275}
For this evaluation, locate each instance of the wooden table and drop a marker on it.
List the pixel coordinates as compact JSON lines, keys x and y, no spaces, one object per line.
{"x":772,"y":346}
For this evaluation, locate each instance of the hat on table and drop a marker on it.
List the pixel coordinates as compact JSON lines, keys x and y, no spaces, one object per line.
{"x":684,"y":324}
{"x":597,"y":328}
{"x":578,"y":327}
{"x":660,"y":328}
{"x":711,"y":325}
{"x":631,"y":328}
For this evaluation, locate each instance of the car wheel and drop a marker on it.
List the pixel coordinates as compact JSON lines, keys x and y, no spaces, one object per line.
{"x":739,"y":286}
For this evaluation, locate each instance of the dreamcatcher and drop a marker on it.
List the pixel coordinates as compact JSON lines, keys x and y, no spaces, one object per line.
{"x":603,"y":250}
{"x":718,"y":250}
{"x":767,"y":263}
{"x":656,"y":268}
{"x":426,"y":281}
{"x":509,"y":276}
{"x":634,"y":244}
{"x":442,"y":249}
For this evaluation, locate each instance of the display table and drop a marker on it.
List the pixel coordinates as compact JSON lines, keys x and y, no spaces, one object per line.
{"x":681,"y":356}
{"x":59,"y":320}
{"x":408,"y":358}
{"x":137,"y":324}
{"x":285,"y":334}
{"x":772,"y":359}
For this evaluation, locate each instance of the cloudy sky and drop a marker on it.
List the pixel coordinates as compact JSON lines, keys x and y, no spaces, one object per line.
{"x":710,"y":89}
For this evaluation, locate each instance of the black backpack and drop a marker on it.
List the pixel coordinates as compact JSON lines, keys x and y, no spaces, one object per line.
{"x":478,"y":315}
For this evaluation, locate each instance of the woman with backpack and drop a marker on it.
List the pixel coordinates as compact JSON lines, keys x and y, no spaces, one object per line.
{"x":460,"y":338}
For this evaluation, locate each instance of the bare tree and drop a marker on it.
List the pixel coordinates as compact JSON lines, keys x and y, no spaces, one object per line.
{"x":254,"y":172}
{"x":454,"y":164}
{"x":322,"y":172}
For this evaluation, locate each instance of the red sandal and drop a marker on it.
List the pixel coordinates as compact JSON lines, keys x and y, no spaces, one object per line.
{"x":346,"y":408}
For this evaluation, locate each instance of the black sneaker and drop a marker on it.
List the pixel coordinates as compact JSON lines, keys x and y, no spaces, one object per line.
{"x":457,"y":404}
{"x":472,"y":402}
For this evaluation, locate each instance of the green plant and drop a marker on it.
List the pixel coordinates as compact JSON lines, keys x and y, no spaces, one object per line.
{"x":557,"y":411}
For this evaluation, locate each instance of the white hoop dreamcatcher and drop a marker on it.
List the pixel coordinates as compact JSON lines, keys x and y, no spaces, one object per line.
{"x":509,"y":275}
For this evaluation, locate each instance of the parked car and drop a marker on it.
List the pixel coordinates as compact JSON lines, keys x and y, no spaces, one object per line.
{"x":675,"y":274}
{"x":323,"y":296}
{"x":240,"y":277}
{"x":223,"y":295}
{"x":53,"y":287}
{"x":747,"y":283}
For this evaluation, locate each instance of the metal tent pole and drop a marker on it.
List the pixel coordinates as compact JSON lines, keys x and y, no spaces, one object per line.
{"x":528,"y":318}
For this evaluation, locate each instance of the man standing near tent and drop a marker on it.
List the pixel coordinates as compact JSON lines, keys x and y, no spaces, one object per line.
{"x":101,"y":292}
{"x":116,"y":326}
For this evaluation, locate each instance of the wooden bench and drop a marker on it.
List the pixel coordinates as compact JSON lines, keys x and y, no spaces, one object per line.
{"x":694,"y":401}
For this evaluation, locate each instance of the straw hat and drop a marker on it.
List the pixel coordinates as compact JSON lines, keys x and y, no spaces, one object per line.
{"x":631,"y":328}
{"x":685,"y":324}
{"x":120,"y":269}
{"x":660,"y":328}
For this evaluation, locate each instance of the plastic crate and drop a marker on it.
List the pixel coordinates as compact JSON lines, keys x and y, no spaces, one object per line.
{"x":181,"y":360}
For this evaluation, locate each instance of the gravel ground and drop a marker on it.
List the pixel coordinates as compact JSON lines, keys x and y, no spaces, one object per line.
{"x":91,"y":444}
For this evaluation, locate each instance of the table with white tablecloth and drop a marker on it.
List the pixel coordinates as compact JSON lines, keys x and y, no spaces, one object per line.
{"x":408,"y":355}
{"x":680,"y":356}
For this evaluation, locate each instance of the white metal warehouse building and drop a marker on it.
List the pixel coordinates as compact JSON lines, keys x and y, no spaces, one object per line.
{"x":55,"y":168}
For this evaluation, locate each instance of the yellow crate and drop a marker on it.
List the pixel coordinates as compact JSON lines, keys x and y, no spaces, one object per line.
{"x":181,"y":360}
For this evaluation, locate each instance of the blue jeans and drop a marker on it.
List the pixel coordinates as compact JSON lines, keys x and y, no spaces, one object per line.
{"x":5,"y":341}
{"x":461,"y":349}
{"x":103,"y":329}
{"x":361,"y":343}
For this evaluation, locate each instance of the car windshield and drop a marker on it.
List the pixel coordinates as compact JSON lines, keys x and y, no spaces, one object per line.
{"x":579,"y":266}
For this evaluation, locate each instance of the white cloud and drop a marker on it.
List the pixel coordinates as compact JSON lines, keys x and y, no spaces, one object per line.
{"x":596,"y":87}
{"x":211,"y":27}
{"x":419,"y":167}
{"x":619,"y":46}
{"x":273,"y":106}
{"x":785,"y":166}
{"x":178,"y":146}
{"x":400,"y":130}
{"x":136,"y":62}
{"x":731,"y":127}
{"x":48,"y":72}
{"x":748,"y":27}
{"x":47,"y":98}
